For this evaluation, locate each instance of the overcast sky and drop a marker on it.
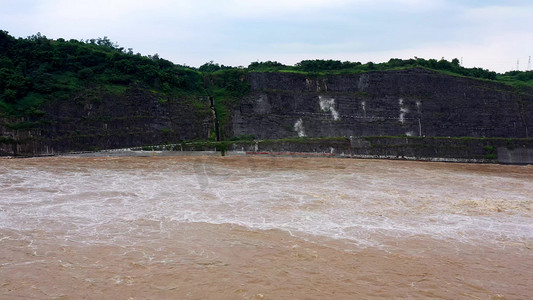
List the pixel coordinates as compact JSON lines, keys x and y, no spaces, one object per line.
{"x":485,"y":33}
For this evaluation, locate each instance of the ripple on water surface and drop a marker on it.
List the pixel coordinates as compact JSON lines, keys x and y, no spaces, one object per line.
{"x":359,"y":200}
{"x":172,"y":227}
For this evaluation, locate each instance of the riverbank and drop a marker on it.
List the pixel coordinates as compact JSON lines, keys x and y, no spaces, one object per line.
{"x":440,"y":149}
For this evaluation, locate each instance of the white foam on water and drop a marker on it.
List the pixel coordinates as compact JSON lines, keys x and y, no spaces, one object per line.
{"x":99,"y":204}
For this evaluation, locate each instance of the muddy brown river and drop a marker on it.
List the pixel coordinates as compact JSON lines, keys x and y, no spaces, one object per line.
{"x":245,"y":227}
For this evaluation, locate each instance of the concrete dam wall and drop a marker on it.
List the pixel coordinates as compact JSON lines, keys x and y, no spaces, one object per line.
{"x":444,"y":149}
{"x":410,"y":103}
{"x":415,"y":102}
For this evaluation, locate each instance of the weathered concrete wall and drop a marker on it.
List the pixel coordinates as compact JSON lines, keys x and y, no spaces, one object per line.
{"x":515,"y":156}
{"x":485,"y":150}
{"x":431,"y":148}
{"x":413,"y":102}
{"x":105,"y":121}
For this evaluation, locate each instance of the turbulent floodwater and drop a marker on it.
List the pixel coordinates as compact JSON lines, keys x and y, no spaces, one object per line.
{"x":263,"y":228}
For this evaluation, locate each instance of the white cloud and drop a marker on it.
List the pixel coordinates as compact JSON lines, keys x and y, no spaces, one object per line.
{"x":501,"y":18}
{"x":490,"y":34}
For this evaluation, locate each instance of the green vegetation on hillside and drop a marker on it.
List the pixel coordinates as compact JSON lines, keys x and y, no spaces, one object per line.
{"x":36,"y":70}
{"x":324,"y":67}
{"x":226,"y":86}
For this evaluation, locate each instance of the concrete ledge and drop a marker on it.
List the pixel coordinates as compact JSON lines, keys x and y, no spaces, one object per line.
{"x":519,"y":156}
{"x":441,"y":149}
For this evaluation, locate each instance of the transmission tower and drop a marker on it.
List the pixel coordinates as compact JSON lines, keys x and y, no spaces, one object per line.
{"x":529,"y":64}
{"x":518,"y":64}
